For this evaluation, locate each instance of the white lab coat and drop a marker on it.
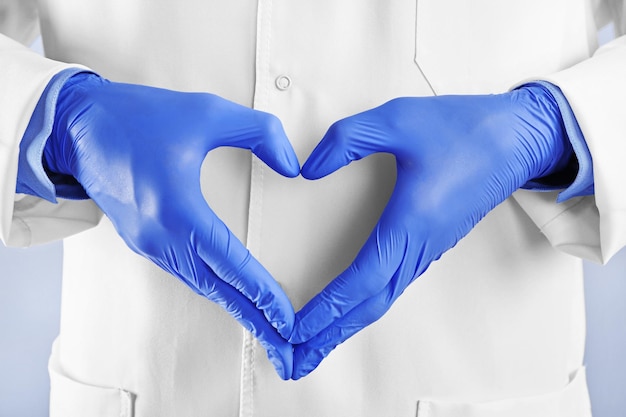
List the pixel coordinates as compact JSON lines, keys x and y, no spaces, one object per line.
{"x":495,"y":328}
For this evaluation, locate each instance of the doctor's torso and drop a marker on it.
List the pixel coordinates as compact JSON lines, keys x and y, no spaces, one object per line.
{"x":499,"y":316}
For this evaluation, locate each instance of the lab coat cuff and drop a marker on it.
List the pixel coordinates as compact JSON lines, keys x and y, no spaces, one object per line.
{"x":31,"y":175}
{"x":583,"y":183}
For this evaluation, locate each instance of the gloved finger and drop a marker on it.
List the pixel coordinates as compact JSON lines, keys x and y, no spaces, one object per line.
{"x":233,"y":264}
{"x":371,"y":271}
{"x":309,"y":355}
{"x":260,"y":132}
{"x":396,"y":241}
{"x":345,"y":141}
{"x":279,"y":351}
{"x":273,"y":147}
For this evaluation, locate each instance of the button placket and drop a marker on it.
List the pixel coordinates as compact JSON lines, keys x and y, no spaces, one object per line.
{"x":255,"y":210}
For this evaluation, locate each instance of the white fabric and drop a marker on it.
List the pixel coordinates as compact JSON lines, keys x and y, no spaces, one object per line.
{"x":572,"y":401}
{"x":499,"y":317}
{"x":93,"y":400}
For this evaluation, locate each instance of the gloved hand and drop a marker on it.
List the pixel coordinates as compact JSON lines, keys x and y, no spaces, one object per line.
{"x":457,"y":158}
{"x":138,"y":151}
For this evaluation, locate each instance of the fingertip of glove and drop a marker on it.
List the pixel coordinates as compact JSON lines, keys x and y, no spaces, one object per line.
{"x":289,"y":165}
{"x":283,"y":373}
{"x":296,"y":377}
{"x":293,"y":169}
{"x":283,"y":369}
{"x":310,"y":172}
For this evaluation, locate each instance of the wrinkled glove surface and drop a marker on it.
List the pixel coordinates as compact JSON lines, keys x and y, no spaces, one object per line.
{"x":137,"y":151}
{"x":457,"y":158}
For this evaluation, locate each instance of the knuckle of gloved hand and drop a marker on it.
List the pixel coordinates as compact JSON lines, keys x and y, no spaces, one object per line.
{"x":398,"y":114}
{"x":207,"y":105}
{"x":208,"y":100}
{"x":396,"y":103}
{"x":269,"y":125}
{"x":341,"y":132}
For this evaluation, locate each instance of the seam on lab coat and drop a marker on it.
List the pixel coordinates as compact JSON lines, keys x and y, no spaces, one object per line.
{"x":255,"y":210}
{"x":572,"y":400}
{"x":561,"y":213}
{"x":25,"y":232}
{"x":415,"y":59}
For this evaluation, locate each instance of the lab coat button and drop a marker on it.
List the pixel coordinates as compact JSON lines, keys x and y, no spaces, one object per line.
{"x":283,"y":82}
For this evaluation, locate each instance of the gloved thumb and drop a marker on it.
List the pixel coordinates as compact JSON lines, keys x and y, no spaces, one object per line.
{"x":347,"y":140}
{"x":274,"y":149}
{"x":262,"y":133}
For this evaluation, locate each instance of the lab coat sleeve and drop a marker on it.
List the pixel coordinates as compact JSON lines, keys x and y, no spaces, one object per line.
{"x":592,"y":227}
{"x":26,"y":220}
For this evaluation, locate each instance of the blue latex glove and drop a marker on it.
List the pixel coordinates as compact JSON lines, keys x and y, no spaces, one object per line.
{"x":457,"y":158}
{"x":138,"y":151}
